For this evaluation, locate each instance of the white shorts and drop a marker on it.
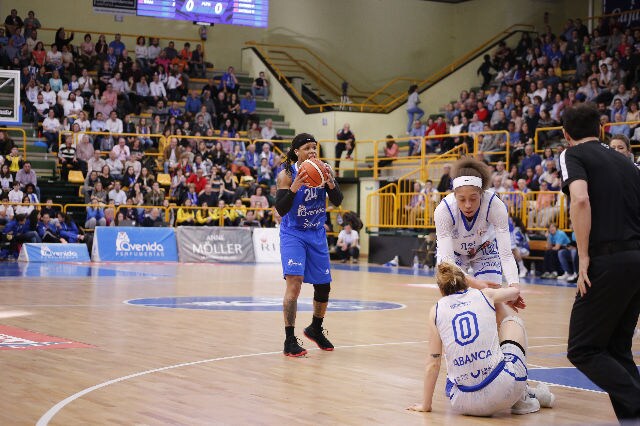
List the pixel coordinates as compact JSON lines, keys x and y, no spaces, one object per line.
{"x":501,"y":393}
{"x":485,"y":266}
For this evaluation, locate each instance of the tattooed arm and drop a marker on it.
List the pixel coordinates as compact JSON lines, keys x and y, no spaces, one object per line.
{"x":433,"y":364}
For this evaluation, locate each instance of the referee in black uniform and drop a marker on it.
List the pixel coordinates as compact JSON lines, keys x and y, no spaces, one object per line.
{"x":604,"y":191}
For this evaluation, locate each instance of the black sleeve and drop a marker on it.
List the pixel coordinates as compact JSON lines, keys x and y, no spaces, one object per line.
{"x":284,"y":201}
{"x":572,"y":168}
{"x":335,"y":195}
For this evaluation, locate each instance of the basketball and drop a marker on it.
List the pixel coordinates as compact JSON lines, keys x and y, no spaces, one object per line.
{"x":314,"y":169}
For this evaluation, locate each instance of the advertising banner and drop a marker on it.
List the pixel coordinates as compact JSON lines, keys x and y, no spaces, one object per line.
{"x":620,"y":6}
{"x":214,"y":244}
{"x":129,"y":244}
{"x":266,"y":245}
{"x":46,"y":252}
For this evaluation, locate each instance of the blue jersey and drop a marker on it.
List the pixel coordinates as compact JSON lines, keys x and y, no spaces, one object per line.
{"x":309,"y":208}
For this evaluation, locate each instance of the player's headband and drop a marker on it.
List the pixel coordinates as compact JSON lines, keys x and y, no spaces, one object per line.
{"x":467,"y":180}
{"x":302,"y":139}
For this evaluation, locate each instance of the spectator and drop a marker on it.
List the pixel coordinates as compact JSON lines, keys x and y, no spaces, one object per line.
{"x":260,"y":86}
{"x":12,"y":22}
{"x":16,"y":195}
{"x":84,"y":153}
{"x":556,"y":240}
{"x":95,"y":215}
{"x":117,"y":195}
{"x":121,"y":150}
{"x":155,"y":197}
{"x":67,"y":157}
{"x":530,"y":160}
{"x":172,"y":154}
{"x":6,"y":180}
{"x":415,"y":207}
{"x":413,"y":111}
{"x":346,"y":141}
{"x":208,"y":196}
{"x":265,"y":173}
{"x":258,"y":197}
{"x":390,"y":152}
{"x":348,"y":247}
{"x":198,"y":180}
{"x":247,"y":111}
{"x":19,"y":231}
{"x":228,"y":81}
{"x":418,"y":132}
{"x":268,"y":131}
{"x":439,"y":127}
{"x":26,"y":175}
{"x":445,"y":180}
{"x":186,"y":216}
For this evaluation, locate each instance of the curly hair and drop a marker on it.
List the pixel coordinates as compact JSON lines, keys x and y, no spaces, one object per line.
{"x":467,"y":166}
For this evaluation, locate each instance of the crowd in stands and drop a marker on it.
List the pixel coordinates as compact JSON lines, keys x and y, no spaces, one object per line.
{"x":160,"y":143}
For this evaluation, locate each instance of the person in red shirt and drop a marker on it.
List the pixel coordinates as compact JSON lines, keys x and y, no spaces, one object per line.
{"x":439,"y":127}
{"x":483,"y":113}
{"x":198,"y":179}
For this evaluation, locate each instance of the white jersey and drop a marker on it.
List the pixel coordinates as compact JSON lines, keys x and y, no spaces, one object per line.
{"x":466,"y":323}
{"x":484,"y":243}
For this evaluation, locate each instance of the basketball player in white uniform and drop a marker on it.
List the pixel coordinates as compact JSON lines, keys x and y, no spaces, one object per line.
{"x":472,"y":228}
{"x":486,"y":367}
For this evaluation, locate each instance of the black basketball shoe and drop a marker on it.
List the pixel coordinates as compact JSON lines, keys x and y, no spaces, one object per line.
{"x":293,"y":348}
{"x":319,"y":337}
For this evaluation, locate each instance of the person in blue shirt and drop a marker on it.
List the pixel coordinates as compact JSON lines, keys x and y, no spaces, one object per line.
{"x":192,"y":104}
{"x":95,"y":215}
{"x":303,"y":241}
{"x":247,"y":110}
{"x":228,"y":81}
{"x":530,"y":160}
{"x":556,"y":240}
{"x":19,"y":231}
{"x":47,"y":230}
{"x":68,"y":230}
{"x":117,"y":46}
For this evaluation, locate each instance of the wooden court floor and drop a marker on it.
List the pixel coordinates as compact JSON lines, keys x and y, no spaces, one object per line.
{"x":162,"y":366}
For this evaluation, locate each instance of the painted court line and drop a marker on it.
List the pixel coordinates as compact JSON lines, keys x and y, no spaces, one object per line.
{"x":46,"y":417}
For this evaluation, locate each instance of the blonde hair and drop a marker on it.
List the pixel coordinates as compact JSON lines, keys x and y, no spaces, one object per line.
{"x":467,"y":166}
{"x":450,"y":278}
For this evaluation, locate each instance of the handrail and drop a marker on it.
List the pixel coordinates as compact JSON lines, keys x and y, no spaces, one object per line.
{"x":135,"y":36}
{"x":603,"y":128}
{"x":391,"y":100}
{"x":24,"y":138}
{"x":395,"y":210}
{"x":315,"y":56}
{"x":507,"y":148}
{"x":536,"y":138}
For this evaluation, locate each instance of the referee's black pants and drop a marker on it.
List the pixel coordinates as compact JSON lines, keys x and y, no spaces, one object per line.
{"x":602,"y":326}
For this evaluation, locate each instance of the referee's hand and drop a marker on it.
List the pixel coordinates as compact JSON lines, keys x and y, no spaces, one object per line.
{"x":583,"y":278}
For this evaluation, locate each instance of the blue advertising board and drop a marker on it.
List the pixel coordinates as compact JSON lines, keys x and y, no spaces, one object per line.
{"x":46,"y":252}
{"x":130,"y":244}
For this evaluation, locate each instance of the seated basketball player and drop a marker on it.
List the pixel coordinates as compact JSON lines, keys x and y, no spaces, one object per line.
{"x":486,"y":364}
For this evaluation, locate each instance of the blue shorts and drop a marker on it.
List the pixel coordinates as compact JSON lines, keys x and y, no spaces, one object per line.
{"x":305,"y":253}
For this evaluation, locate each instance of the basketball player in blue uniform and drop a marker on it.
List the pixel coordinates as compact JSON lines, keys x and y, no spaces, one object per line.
{"x":486,"y":364}
{"x":303,"y":241}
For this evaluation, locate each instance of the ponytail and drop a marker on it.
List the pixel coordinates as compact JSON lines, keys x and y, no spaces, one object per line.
{"x":450,"y":278}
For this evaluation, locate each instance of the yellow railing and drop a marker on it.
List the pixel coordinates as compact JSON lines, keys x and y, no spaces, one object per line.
{"x":382,"y":100}
{"x":603,"y":129}
{"x":24,"y":138}
{"x":536,"y":137}
{"x":129,"y":39}
{"x":506,"y":151}
{"x":414,"y":210}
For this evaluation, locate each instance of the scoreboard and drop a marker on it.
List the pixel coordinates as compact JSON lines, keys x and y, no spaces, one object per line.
{"x":252,"y":13}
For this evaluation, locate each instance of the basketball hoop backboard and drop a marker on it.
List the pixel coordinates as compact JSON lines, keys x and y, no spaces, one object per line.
{"x":10,"y":110}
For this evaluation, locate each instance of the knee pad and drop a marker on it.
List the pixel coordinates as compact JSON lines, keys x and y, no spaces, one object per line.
{"x":321,"y":292}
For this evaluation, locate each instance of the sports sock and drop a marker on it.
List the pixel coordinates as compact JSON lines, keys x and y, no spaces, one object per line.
{"x":521,"y":265}
{"x":316,"y":323}
{"x":289,"y":331}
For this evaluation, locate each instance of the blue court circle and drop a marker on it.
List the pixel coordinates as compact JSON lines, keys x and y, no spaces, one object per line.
{"x":260,"y":304}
